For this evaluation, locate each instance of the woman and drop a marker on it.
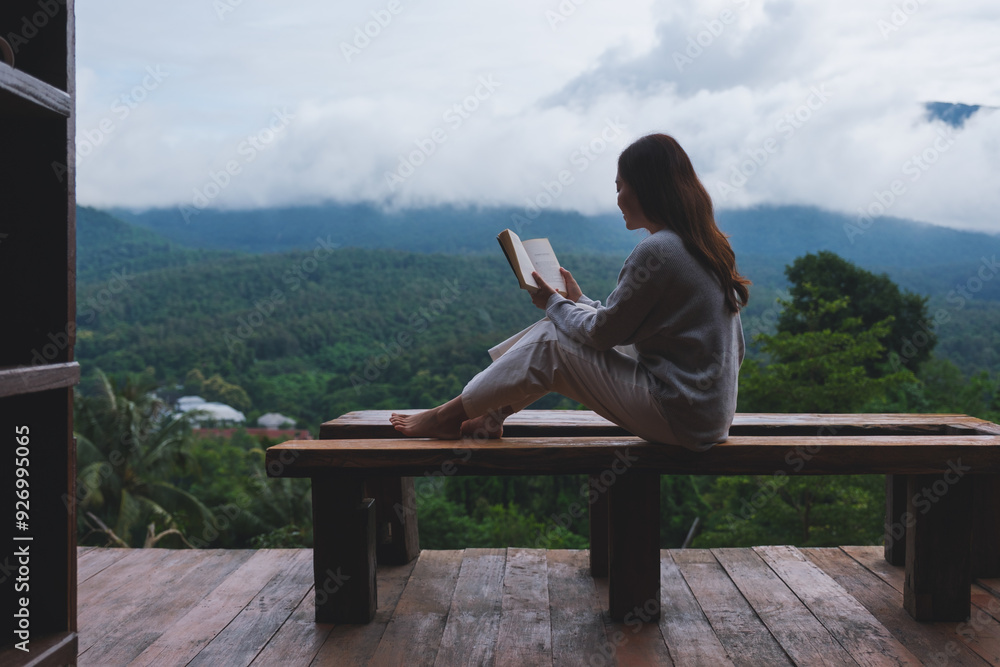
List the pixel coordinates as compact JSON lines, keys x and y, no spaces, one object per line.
{"x":676,"y":307}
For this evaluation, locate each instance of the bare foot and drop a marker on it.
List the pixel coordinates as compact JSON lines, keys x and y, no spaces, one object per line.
{"x":428,"y":424}
{"x":485,"y":427}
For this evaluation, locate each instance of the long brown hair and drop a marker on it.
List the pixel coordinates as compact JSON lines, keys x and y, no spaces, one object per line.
{"x":669,"y":192}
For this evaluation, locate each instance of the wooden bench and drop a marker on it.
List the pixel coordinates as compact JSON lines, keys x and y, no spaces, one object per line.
{"x":942,"y":495}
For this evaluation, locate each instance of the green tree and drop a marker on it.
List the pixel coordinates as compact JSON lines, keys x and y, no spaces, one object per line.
{"x":217,"y":389}
{"x":194,"y":382}
{"x":819,"y":369}
{"x":129,"y":447}
{"x":872,"y":298}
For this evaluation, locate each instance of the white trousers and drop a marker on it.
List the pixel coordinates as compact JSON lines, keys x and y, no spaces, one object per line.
{"x":541,"y":359}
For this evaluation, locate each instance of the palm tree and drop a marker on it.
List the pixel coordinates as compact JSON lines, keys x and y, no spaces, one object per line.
{"x":129,"y":446}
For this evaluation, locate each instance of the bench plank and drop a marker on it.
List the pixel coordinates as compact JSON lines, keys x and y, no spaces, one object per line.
{"x":559,"y":423}
{"x":744,"y":455}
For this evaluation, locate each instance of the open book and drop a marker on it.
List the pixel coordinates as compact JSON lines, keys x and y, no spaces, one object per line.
{"x":532,"y":255}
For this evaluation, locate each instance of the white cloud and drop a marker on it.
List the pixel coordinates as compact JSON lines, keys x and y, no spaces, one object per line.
{"x":560,"y":77}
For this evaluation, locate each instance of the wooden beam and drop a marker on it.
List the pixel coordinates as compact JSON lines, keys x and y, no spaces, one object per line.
{"x":986,"y":526}
{"x":598,"y":528}
{"x":634,"y":545}
{"x":343,"y":551}
{"x":938,"y":539}
{"x":397,"y":536}
{"x":895,"y":524}
{"x":742,"y":455}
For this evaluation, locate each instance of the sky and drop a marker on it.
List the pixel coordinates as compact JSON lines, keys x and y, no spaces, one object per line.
{"x":240,"y":104}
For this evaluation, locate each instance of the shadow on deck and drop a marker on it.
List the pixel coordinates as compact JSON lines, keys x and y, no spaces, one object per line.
{"x":760,"y":606}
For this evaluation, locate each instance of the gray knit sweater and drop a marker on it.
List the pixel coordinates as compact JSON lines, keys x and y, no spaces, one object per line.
{"x":673,"y":310}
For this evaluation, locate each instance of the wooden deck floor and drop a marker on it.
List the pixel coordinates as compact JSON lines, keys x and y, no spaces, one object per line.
{"x":762,"y":606}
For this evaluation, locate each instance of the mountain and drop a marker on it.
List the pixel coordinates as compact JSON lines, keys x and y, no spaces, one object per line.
{"x":106,"y":245}
{"x":924,"y":258}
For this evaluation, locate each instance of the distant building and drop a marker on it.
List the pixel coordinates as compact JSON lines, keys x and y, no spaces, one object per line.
{"x":275,"y":420}
{"x":208,"y":414}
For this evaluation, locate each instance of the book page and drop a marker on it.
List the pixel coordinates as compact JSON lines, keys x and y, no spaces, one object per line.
{"x":518,"y":257}
{"x":543,"y":258}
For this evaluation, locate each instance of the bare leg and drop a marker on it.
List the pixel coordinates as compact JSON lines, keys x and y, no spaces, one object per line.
{"x":487,"y":426}
{"x":444,"y":422}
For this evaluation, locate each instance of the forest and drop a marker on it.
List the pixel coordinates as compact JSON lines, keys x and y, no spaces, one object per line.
{"x":321,"y":329}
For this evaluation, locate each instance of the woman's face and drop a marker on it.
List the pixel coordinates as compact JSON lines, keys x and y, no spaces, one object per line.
{"x":629,"y":204}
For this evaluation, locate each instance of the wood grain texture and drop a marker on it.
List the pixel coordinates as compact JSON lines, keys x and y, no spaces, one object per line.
{"x":739,"y":629}
{"x":115,"y":584}
{"x":850,"y":623}
{"x":635,"y":642}
{"x":634,"y":544}
{"x":255,"y":625}
{"x":354,"y":644}
{"x":19,"y":90}
{"x":189,"y":634}
{"x":396,"y":525}
{"x":938,"y":548}
{"x":687,"y":631}
{"x":557,"y":423}
{"x":298,"y":640}
{"x":894,"y":547}
{"x":470,"y":636}
{"x":982,"y":636}
{"x":930,"y":642}
{"x":149,"y":606}
{"x":343,"y":551}
{"x":986,"y":526}
{"x":96,"y":560}
{"x":525,"y":635}
{"x":575,"y":611}
{"x":28,"y":379}
{"x":599,"y":528}
{"x":417,"y":625}
{"x":531,"y":622}
{"x":546,"y":456}
{"x":802,"y":636}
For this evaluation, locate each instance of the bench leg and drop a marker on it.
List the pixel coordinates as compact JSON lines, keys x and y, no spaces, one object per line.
{"x":895,"y":522}
{"x":634,"y":539}
{"x":938,"y":538}
{"x":986,"y":526}
{"x":598,"y":528}
{"x":397,"y":537}
{"x":343,"y":551}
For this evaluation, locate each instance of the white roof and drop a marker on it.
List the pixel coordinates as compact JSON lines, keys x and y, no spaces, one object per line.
{"x":209,"y":411}
{"x":274,"y":420}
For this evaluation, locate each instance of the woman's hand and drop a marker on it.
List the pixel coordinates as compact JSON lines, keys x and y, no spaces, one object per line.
{"x":540,"y":297}
{"x":573,"y":291}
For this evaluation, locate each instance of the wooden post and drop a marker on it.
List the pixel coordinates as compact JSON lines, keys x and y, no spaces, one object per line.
{"x":397,"y":537}
{"x":938,"y":583}
{"x":634,"y":539}
{"x":598,"y":528}
{"x":986,"y":526}
{"x":895,"y":523}
{"x":343,"y":551}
